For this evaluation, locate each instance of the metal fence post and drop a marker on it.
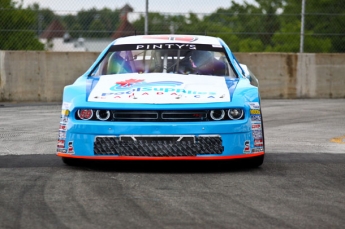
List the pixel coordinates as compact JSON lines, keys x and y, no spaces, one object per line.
{"x":147,"y":17}
{"x":301,"y":45}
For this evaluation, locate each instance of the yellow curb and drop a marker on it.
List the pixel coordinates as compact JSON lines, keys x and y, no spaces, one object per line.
{"x":339,"y":140}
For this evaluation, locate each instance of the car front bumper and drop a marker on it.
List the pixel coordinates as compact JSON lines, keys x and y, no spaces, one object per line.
{"x":221,"y":140}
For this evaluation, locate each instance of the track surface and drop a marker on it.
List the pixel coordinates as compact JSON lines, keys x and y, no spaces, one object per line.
{"x":300,"y":185}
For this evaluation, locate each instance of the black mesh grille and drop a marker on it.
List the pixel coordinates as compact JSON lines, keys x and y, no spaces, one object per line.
{"x":157,"y":146}
{"x":135,"y":115}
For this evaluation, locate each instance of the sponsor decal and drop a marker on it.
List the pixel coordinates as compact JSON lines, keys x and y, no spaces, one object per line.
{"x":258,"y":142}
{"x":255,"y":118}
{"x":255,"y":112}
{"x":64,"y":119}
{"x":65,"y":112}
{"x":66,"y":106}
{"x":62,"y":134}
{"x":152,"y":89}
{"x":257,"y":150}
{"x":216,"y":46}
{"x":70,"y":149}
{"x":254,"y":105}
{"x":61,"y":150}
{"x":61,"y":144}
{"x":246,"y":146}
{"x":63,"y":127}
{"x":134,"y":85}
{"x":256,"y":126}
{"x":257,"y":134}
{"x":164,"y":46}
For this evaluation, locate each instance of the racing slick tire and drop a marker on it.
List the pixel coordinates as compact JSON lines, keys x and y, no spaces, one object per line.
{"x":70,"y":161}
{"x":256,"y":161}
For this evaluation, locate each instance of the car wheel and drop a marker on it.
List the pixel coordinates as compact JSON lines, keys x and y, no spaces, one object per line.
{"x":256,"y":161}
{"x":70,"y":161}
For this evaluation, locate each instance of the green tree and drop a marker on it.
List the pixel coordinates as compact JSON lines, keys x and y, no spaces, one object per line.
{"x":157,"y":23}
{"x":287,"y":39}
{"x":15,"y":33}
{"x":110,"y":20}
{"x":43,"y":18}
{"x":92,"y":23}
{"x":97,"y":28}
{"x":250,"y":45}
{"x":325,"y":21}
{"x":251,"y":21}
{"x":75,"y":30}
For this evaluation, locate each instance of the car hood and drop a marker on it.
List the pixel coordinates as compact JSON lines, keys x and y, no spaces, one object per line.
{"x":160,"y":88}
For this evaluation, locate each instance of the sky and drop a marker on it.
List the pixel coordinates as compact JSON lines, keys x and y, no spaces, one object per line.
{"x":171,"y":6}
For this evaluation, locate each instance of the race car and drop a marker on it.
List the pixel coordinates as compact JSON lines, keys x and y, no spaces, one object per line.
{"x":163,"y":97}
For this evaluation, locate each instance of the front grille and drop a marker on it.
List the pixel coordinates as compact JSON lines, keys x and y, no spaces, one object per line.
{"x":159,"y":115}
{"x":135,"y":115}
{"x":184,"y":115}
{"x":158,"y":146}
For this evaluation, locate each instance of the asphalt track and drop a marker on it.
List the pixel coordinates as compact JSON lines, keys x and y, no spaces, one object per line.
{"x":300,"y":185}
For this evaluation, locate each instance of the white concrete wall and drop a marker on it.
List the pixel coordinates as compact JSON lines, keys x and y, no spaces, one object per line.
{"x":292,"y":75}
{"x":30,"y":76}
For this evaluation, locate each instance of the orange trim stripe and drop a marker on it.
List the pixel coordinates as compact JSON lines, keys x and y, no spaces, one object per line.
{"x":137,"y":158}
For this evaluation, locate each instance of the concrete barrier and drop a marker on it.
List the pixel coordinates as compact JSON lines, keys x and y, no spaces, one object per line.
{"x":29,"y":76}
{"x":39,"y":76}
{"x":293,"y":75}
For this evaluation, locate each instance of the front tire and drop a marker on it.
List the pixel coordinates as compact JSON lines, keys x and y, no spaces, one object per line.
{"x":70,"y":161}
{"x":256,"y":161}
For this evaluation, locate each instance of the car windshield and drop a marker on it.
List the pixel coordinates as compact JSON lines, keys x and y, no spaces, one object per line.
{"x":165,"y":58}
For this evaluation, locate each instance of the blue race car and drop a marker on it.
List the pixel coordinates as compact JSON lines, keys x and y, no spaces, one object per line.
{"x":163,"y":97}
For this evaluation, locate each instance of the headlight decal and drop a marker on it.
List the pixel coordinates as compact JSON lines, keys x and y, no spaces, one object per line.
{"x":85,"y":114}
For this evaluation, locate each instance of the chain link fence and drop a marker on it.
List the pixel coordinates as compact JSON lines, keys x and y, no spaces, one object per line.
{"x":258,"y":26}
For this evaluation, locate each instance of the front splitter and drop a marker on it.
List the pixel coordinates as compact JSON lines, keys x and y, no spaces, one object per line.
{"x":137,"y":158}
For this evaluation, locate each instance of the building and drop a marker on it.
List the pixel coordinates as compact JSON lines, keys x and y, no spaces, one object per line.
{"x":57,"y":39}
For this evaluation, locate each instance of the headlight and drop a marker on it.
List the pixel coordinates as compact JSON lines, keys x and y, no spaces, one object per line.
{"x":85,"y":114}
{"x":217,"y":114}
{"x":235,"y":113}
{"x":103,"y":115}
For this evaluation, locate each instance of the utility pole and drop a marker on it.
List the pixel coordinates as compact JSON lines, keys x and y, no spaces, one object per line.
{"x":147,"y":17}
{"x":301,"y":44}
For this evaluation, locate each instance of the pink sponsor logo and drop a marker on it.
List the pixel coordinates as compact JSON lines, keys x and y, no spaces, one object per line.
{"x":258,"y":142}
{"x":256,"y":126}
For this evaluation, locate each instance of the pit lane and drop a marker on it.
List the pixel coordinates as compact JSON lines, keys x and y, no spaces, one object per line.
{"x":300,"y":185}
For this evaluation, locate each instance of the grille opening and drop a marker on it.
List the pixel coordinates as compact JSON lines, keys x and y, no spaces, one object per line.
{"x":135,"y":115}
{"x":187,"y":115}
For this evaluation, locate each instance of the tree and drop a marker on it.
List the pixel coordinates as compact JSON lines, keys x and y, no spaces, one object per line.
{"x":97,"y":28}
{"x":157,"y":23}
{"x":14,"y":32}
{"x":92,"y":23}
{"x":324,"y":23}
{"x":288,"y":40}
{"x":43,"y":18}
{"x":251,"y":21}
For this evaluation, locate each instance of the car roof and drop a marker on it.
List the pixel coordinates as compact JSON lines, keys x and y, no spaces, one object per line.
{"x":168,"y":38}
